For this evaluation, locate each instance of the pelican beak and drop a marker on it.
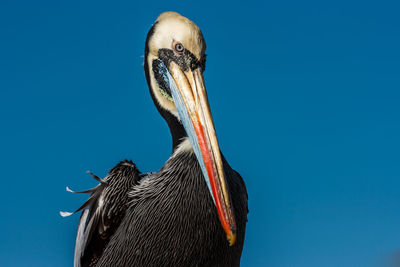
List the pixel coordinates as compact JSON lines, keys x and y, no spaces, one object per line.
{"x":190,"y":98}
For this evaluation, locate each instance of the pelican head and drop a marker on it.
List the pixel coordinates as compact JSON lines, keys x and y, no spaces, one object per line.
{"x":174,"y":64}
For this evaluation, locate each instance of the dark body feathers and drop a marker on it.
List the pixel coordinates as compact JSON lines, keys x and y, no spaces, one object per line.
{"x":171,"y":220}
{"x":103,"y":211}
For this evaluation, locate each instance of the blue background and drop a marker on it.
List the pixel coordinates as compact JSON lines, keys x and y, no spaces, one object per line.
{"x":305,"y":98}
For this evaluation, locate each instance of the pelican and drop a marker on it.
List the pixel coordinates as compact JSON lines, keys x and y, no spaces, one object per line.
{"x":193,"y":211}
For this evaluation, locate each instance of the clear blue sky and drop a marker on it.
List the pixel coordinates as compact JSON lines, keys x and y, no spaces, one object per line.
{"x":305,"y":97}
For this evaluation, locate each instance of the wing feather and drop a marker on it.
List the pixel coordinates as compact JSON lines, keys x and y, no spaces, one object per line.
{"x":102,"y":212}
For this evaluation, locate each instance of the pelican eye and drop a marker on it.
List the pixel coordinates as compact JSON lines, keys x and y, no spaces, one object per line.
{"x":178,"y":47}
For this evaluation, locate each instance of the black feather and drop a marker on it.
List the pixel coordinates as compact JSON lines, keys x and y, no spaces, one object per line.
{"x":103,"y":212}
